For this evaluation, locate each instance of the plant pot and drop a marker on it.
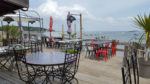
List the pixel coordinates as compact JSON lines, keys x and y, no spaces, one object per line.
{"x":144,"y":68}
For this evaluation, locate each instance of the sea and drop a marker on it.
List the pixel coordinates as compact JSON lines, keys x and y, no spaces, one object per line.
{"x":122,"y":36}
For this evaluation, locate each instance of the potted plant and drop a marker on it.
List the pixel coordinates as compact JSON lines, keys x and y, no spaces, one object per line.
{"x":143,"y":22}
{"x":63,"y":36}
{"x":73,"y":35}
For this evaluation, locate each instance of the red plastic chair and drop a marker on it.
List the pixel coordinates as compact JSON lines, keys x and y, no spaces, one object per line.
{"x":114,"y":47}
{"x":93,"y":45}
{"x":103,"y":51}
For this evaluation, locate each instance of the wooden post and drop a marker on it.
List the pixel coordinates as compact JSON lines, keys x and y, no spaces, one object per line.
{"x":62,"y":30}
{"x":75,"y":30}
{"x":80,"y":26}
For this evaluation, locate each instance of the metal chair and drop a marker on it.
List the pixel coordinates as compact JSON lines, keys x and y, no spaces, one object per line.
{"x":69,"y":69}
{"x":90,"y":53}
{"x":36,"y":47}
{"x":129,"y":63}
{"x":25,"y":72}
{"x":5,"y":58}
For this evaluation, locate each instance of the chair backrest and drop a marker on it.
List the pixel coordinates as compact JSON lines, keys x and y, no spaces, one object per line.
{"x":115,"y":43}
{"x":88,"y":46}
{"x":93,"y":44}
{"x":107,"y":45}
{"x":129,"y":63}
{"x":77,"y":49}
{"x":36,"y":47}
{"x":71,"y":62}
{"x":126,"y":73}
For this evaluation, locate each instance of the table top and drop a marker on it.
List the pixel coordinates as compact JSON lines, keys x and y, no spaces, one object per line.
{"x":67,"y":41}
{"x":97,"y":42}
{"x":6,"y":48}
{"x":46,"y":58}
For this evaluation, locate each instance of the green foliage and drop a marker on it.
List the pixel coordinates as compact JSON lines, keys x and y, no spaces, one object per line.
{"x":14,"y":32}
{"x":6,"y":29}
{"x":68,"y":51}
{"x":143,"y":22}
{"x":0,"y":37}
{"x":11,"y":31}
{"x":73,"y":35}
{"x":63,"y":35}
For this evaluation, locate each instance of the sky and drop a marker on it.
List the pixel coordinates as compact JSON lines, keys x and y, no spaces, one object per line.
{"x":97,"y":15}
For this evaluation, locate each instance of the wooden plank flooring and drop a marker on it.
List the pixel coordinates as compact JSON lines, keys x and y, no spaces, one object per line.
{"x":7,"y":77}
{"x":90,"y":72}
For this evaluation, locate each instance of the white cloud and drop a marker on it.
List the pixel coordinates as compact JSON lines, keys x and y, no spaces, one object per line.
{"x":52,"y":8}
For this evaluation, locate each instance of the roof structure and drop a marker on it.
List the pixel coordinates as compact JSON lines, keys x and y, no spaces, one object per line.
{"x":9,"y":6}
{"x":23,"y":18}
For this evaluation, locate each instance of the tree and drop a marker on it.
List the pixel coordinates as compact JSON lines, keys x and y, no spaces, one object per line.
{"x":14,"y":33}
{"x":7,"y":31}
{"x":144,"y":23}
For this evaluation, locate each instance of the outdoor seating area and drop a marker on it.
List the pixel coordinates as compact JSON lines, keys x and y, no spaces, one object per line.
{"x":101,"y":48}
{"x":37,"y":67}
{"x":61,"y":42}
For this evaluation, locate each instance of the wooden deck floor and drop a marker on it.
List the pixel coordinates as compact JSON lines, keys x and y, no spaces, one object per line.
{"x":90,"y":72}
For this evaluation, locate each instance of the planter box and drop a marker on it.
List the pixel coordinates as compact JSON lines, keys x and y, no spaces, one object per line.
{"x":144,"y":68}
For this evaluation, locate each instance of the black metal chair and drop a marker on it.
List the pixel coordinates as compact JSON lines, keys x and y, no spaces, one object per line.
{"x":36,"y":46}
{"x":126,"y":73}
{"x":90,"y":53}
{"x":68,"y":70}
{"x":5,"y":58}
{"x":48,"y":42}
{"x":129,"y":63}
{"x":25,"y":72}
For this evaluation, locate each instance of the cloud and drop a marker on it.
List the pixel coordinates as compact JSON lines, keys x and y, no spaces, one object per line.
{"x":52,"y":8}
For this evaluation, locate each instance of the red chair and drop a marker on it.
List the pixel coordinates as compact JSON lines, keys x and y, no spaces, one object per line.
{"x":94,"y":48}
{"x":114,"y":47}
{"x":103,"y":51}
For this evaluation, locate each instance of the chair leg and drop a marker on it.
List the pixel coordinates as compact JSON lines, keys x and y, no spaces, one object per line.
{"x":86,"y":54}
{"x":97,"y":55}
{"x":105,"y":56}
{"x":89,"y":55}
{"x":113,"y":50}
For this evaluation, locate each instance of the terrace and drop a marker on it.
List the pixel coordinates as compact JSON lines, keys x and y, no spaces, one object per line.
{"x":64,"y":60}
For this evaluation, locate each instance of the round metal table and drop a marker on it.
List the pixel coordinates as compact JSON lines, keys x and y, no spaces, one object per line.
{"x":45,"y":59}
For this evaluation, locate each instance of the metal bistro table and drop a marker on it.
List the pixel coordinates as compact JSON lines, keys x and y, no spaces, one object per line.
{"x":98,"y":43}
{"x":45,"y":59}
{"x":65,"y":43}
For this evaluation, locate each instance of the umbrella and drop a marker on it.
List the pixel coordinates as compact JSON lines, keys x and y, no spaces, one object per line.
{"x":51,"y":24}
{"x":21,"y":31}
{"x":70,"y":19}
